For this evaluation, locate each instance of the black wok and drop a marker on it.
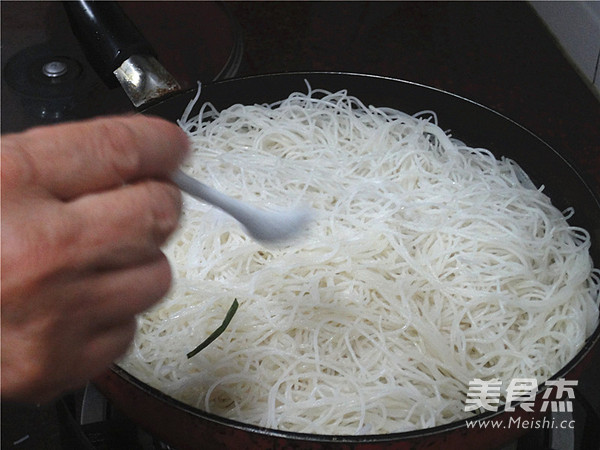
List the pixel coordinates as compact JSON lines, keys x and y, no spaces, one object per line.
{"x":187,"y":427}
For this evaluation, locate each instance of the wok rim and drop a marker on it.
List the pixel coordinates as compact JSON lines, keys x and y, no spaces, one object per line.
{"x":172,"y":402}
{"x":575,"y":362}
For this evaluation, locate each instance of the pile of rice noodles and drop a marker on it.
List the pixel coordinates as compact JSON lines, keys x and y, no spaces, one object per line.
{"x":429,"y":264}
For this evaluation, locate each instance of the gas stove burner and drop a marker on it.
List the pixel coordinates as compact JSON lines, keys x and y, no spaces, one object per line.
{"x":43,"y":73}
{"x":46,"y":77}
{"x":48,"y":82}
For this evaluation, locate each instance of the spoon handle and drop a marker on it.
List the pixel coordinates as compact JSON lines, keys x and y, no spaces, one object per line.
{"x":236,"y":209}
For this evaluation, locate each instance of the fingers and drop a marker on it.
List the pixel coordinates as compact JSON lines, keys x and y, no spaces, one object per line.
{"x":112,"y":297}
{"x":105,"y":347}
{"x":98,"y":353}
{"x":72,"y":159}
{"x":124,"y":226}
{"x":85,"y":209}
{"x":52,"y":377}
{"x":91,"y":325}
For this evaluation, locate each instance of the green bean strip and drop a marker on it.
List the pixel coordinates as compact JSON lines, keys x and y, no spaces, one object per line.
{"x":215,"y":334}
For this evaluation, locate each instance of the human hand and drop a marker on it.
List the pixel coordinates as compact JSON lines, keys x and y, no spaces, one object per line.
{"x":85,"y":209}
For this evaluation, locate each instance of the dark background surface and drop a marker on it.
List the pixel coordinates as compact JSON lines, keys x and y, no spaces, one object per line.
{"x":496,"y":53}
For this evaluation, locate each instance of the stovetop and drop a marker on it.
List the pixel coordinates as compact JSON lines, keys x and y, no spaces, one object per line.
{"x":36,"y":35}
{"x":496,"y":53}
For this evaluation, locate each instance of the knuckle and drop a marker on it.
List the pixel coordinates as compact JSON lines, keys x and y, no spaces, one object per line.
{"x":28,"y":371}
{"x":137,"y":145}
{"x":151,"y":282}
{"x":17,"y":169}
{"x":164,"y":210}
{"x":32,"y":256}
{"x":164,"y":279}
{"x":127,"y":333}
{"x":120,"y":151}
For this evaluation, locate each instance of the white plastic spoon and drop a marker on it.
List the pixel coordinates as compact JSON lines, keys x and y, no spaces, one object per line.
{"x":265,"y":226}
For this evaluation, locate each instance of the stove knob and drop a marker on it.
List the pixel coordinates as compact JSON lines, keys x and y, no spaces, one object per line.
{"x":55,"y":69}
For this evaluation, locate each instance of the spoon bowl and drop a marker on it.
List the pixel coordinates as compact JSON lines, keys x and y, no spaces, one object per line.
{"x":262,"y":225}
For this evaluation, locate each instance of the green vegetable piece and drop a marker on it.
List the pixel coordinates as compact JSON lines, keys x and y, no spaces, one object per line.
{"x":215,"y":334}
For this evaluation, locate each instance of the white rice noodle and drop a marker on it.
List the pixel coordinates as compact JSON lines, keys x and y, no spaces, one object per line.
{"x":430,"y":264}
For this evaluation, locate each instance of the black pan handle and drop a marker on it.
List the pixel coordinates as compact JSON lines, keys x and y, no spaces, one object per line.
{"x":118,"y":51}
{"x":107,"y":35}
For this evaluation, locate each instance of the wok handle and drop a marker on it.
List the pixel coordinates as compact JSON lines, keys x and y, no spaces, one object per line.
{"x":107,"y":35}
{"x":118,"y":51}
